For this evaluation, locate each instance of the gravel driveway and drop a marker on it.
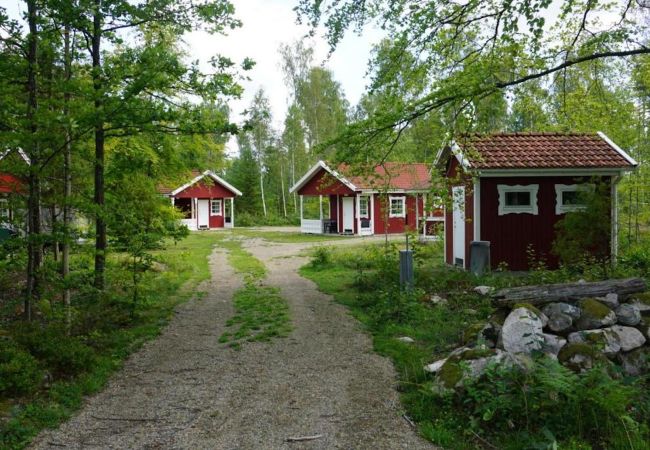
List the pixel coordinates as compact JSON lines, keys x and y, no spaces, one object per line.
{"x":187,"y":391}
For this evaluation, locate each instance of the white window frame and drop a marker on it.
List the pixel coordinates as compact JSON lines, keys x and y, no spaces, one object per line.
{"x":504,"y":209}
{"x":364,"y":199}
{"x":5,"y":213}
{"x":216,"y":202}
{"x":401,"y":199}
{"x":560,"y":207}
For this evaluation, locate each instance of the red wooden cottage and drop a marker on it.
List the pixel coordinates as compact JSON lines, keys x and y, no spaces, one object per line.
{"x":207,"y":201}
{"x":512,"y":188}
{"x":359,"y":204}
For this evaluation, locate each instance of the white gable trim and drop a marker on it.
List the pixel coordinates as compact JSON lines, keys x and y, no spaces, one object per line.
{"x":21,"y":152}
{"x":214,"y":176}
{"x":618,"y":149}
{"x":315,"y":168}
{"x":456,"y":151}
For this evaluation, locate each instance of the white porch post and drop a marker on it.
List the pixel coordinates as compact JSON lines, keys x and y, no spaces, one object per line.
{"x":372,"y":213}
{"x":172,"y":199}
{"x":320,"y":204}
{"x":301,"y":208}
{"x":417,"y":213}
{"x":232,"y":212}
{"x":358,"y":213}
{"x":614,"y":214}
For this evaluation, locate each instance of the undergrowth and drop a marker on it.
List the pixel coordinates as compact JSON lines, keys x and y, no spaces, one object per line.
{"x":547,"y":407}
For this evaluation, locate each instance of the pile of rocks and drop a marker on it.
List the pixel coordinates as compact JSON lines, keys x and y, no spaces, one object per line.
{"x":578,"y":333}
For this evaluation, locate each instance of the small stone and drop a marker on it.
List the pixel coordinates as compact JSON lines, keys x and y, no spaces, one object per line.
{"x":435,"y":366}
{"x":483,"y":290}
{"x":610,"y":300}
{"x":603,"y":340}
{"x":628,"y":314}
{"x":559,"y":322}
{"x":437,"y":300}
{"x":470,"y":311}
{"x":406,"y":339}
{"x":564,"y":308}
{"x":636,"y":362}
{"x":628,"y":337}
{"x":553,"y":344}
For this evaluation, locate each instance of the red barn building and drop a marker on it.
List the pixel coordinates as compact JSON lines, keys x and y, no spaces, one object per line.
{"x":207,"y":201}
{"x":385,"y":198}
{"x":512,"y":188}
{"x":12,"y":187}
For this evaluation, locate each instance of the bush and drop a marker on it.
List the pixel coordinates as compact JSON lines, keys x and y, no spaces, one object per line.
{"x":63,"y":355}
{"x":19,"y":371}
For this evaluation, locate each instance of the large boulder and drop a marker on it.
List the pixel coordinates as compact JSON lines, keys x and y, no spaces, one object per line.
{"x":594,"y":315}
{"x":628,"y":337}
{"x":562,"y":308}
{"x":603,"y":340}
{"x":628,"y":314}
{"x":559,"y":322}
{"x":636,"y":362}
{"x":522,"y":330}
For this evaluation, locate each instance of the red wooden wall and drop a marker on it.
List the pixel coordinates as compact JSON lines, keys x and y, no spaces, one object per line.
{"x":322,"y":183}
{"x":511,"y":234}
{"x":205,"y":190}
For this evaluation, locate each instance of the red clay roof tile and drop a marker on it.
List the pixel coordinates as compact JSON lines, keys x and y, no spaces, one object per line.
{"x":400,"y":176}
{"x":540,"y":151}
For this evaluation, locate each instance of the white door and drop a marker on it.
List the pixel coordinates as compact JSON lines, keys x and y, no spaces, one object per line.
{"x":348,"y":214}
{"x":458,"y":193}
{"x":204,"y":214}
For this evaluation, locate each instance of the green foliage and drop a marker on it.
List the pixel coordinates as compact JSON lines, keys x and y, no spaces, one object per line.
{"x":19,"y":371}
{"x":585,"y":233}
{"x":544,"y":406}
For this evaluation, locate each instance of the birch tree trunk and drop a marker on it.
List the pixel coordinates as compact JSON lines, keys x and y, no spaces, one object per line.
{"x":262,"y":190}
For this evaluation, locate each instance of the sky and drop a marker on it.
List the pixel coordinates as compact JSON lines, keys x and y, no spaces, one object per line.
{"x":266,"y":25}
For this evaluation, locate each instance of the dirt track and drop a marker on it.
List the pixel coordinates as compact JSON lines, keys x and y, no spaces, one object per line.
{"x":187,"y":391}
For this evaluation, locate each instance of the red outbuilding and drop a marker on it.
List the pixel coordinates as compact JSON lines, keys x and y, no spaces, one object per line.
{"x":12,"y":187}
{"x":207,"y":201}
{"x":373,"y":200}
{"x":510,"y":189}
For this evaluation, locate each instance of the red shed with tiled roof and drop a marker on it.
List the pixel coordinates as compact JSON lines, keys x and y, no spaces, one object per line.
{"x":206,"y":201}
{"x":368,"y":199}
{"x":511,"y":189}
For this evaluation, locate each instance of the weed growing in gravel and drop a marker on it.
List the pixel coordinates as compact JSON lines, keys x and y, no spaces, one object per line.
{"x":261,"y":312}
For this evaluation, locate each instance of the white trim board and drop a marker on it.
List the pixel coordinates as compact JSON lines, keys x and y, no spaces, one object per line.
{"x":618,"y":149}
{"x":211,"y":174}
{"x":20,"y":151}
{"x":315,"y":168}
{"x":532,"y":189}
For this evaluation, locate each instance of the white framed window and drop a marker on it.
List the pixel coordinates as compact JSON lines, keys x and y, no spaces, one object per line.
{"x":363,"y":206}
{"x":215,"y":208}
{"x":569,"y":197}
{"x":518,"y":199}
{"x":4,"y":209}
{"x":397,"y":206}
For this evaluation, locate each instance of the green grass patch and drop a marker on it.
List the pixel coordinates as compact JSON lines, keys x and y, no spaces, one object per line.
{"x":104,"y":335}
{"x":286,"y":237}
{"x":261,"y":313}
{"x":548,"y":407}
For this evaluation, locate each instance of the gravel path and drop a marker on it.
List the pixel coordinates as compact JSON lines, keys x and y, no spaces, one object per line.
{"x":187,"y":391}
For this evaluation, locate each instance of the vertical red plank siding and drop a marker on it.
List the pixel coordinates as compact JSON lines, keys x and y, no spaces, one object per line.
{"x":510,"y":235}
{"x":469,"y":219}
{"x":322,"y":183}
{"x":204,"y":190}
{"x":333,"y":208}
{"x":217,"y":221}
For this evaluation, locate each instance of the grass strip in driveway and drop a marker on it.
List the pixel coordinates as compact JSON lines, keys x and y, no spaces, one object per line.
{"x":260,"y":311}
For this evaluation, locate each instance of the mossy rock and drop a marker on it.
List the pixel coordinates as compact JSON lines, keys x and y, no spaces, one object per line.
{"x":499,"y":316}
{"x":529,"y":307}
{"x":471,"y":333}
{"x":642,"y":298}
{"x":450,"y":374}
{"x":590,"y":355}
{"x":594,"y":308}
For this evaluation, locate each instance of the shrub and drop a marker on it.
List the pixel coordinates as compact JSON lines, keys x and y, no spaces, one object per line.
{"x":19,"y":371}
{"x":63,"y":355}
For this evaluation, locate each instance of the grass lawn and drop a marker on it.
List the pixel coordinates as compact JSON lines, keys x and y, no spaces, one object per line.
{"x":548,"y":407}
{"x":182,"y":267}
{"x":286,"y":237}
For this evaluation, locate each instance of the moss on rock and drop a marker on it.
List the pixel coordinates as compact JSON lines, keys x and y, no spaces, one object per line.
{"x":471,"y":333}
{"x":577,"y":348}
{"x":529,"y":307}
{"x":594,"y":308}
{"x":450,"y":374}
{"x":642,"y":298}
